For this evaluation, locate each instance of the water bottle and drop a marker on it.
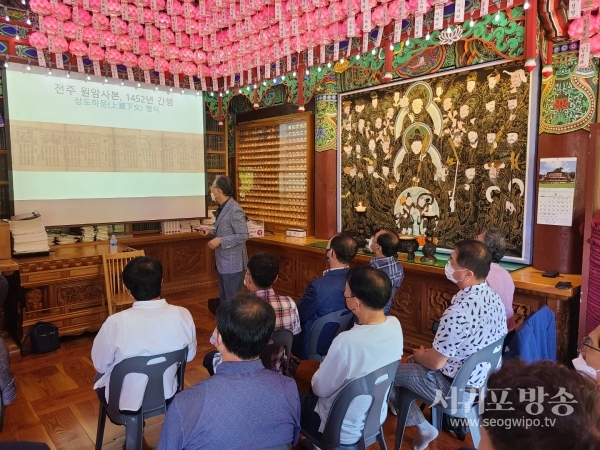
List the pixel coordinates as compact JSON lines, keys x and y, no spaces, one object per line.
{"x":113,"y":244}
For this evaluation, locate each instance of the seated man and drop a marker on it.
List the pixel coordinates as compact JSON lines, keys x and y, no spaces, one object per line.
{"x":261,"y":273}
{"x":150,"y":327}
{"x":374,"y":342}
{"x":243,"y":406}
{"x":540,"y":406}
{"x":499,"y":279}
{"x":588,"y":361}
{"x":8,"y":389}
{"x":385,"y":247}
{"x":325,"y":295}
{"x":475,"y":319}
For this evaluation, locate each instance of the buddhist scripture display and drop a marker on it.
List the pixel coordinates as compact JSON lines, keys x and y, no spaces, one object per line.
{"x":450,"y":150}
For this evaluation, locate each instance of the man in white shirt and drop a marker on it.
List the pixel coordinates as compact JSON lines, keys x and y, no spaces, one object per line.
{"x":474,"y":320}
{"x":150,"y":327}
{"x":374,"y":342}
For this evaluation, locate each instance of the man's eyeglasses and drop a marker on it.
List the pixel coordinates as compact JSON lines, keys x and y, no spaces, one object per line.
{"x":587,"y":343}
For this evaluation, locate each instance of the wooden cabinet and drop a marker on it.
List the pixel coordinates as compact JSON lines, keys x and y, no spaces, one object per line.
{"x":426,"y":293}
{"x":274,"y":171}
{"x":67,"y":287}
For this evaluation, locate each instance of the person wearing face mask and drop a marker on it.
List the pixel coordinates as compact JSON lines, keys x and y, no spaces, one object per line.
{"x":230,"y":234}
{"x":325,"y":295}
{"x":384,"y":245}
{"x":588,"y":361}
{"x":262,"y":272}
{"x":374,"y":342}
{"x":475,"y":319}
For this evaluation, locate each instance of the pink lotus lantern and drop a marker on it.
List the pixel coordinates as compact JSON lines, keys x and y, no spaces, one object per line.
{"x":186,"y":54}
{"x":161,"y":66}
{"x":130,"y":61}
{"x":143,"y":46}
{"x":96,"y":54}
{"x":107,"y":39}
{"x":100,"y":21}
{"x":78,"y":49}
{"x":148,"y":16}
{"x":199,"y":57}
{"x":40,"y":42}
{"x":61,"y":12}
{"x":82,"y":18}
{"x":146,"y":63}
{"x":157,"y":49}
{"x":575,"y":30}
{"x":50,"y":25}
{"x":114,"y":8}
{"x":90,"y":35}
{"x":41,"y":7}
{"x":124,"y":43}
{"x":171,"y":52}
{"x":595,"y":45}
{"x":94,"y":5}
{"x":175,"y":67}
{"x":69,"y":30}
{"x":151,"y":32}
{"x":164,"y":20}
{"x":196,"y":41}
{"x":114,"y":57}
{"x":60,"y":46}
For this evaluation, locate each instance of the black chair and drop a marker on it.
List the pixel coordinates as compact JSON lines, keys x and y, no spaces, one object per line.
{"x":491,"y":355}
{"x":23,"y":445}
{"x":341,"y":317}
{"x":281,"y":338}
{"x":376,"y":385}
{"x":154,"y":402}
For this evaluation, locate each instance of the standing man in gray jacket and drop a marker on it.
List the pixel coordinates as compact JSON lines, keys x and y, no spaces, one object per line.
{"x":230,"y":234}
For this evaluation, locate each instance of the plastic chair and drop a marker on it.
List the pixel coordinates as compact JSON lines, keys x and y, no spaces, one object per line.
{"x":375,"y":384}
{"x":113,"y":265}
{"x":154,"y":402}
{"x":490,"y":354}
{"x":281,"y":338}
{"x":341,"y":317}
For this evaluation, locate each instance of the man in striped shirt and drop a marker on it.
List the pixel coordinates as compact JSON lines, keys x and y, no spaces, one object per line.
{"x":262,"y":271}
{"x":384,"y":245}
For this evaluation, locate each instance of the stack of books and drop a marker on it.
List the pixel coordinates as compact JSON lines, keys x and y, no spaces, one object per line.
{"x":28,"y":234}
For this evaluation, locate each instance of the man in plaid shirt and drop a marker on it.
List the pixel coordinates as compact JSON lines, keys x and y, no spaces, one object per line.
{"x":262,"y":271}
{"x":385,"y":247}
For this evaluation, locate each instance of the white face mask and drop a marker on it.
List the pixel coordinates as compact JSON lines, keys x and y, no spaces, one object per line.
{"x":212,"y":196}
{"x":582,"y":367}
{"x":450,"y":273}
{"x":369,"y":244}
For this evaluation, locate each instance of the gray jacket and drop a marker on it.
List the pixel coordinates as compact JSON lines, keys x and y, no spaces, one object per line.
{"x":230,"y":226}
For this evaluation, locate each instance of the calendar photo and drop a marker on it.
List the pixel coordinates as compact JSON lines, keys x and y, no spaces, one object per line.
{"x":557,"y":191}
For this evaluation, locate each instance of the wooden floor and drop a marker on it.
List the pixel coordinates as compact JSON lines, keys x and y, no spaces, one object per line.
{"x":56,"y":404}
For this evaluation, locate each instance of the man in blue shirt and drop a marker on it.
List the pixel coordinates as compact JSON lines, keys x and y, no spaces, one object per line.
{"x":325,"y":295}
{"x":384,"y":245}
{"x":244,"y":405}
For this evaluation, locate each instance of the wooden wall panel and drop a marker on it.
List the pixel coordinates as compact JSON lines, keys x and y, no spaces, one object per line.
{"x":554,"y":247}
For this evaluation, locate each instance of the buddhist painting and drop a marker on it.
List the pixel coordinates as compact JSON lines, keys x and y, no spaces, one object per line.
{"x":453,"y":147}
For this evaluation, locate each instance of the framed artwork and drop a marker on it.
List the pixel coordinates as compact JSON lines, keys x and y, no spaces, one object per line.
{"x":453,"y":151}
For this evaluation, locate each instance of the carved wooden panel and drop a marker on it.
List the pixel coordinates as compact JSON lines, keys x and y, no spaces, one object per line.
{"x":286,"y":281}
{"x":406,"y":305}
{"x":55,"y":264}
{"x":309,"y":268}
{"x":437,"y":299}
{"x":562,"y":313}
{"x":525,"y":305}
{"x":188,"y":260}
{"x":85,"y":294}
